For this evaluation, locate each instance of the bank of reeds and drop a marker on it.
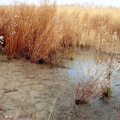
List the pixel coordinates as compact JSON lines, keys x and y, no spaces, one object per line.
{"x":30,"y":31}
{"x":37,"y":31}
{"x":90,"y":26}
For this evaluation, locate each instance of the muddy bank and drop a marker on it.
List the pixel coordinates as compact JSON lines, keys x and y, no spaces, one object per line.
{"x":31,"y":86}
{"x":28,"y":90}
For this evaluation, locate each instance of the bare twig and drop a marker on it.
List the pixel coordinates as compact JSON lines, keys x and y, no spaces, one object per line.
{"x":19,"y":110}
{"x":53,"y":106}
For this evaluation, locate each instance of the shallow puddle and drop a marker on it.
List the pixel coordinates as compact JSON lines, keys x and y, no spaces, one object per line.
{"x":85,"y":64}
{"x":29,"y":90}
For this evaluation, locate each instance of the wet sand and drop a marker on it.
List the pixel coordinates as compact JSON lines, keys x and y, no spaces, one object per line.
{"x":28,"y":90}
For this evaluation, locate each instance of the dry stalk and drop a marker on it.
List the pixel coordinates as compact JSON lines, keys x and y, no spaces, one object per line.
{"x":15,"y":118}
{"x":53,"y":106}
{"x":88,"y":90}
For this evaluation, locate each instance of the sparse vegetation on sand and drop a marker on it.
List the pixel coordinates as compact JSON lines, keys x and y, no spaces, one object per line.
{"x":35,"y":32}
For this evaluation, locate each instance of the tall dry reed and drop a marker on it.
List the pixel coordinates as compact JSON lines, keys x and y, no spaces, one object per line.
{"x":90,"y":26}
{"x":37,"y":31}
{"x":30,"y":31}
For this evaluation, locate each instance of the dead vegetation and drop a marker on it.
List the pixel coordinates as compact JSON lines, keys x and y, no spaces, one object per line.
{"x":35,"y":32}
{"x":30,"y":31}
{"x":98,"y":85}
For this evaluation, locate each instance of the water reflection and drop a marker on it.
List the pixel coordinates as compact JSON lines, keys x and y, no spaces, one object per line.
{"x":87,"y":65}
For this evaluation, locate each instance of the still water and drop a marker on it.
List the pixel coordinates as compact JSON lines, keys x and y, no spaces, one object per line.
{"x":86,"y":65}
{"x":90,"y":64}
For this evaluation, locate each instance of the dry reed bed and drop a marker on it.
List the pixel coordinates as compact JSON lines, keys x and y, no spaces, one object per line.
{"x":36,"y":31}
{"x":30,"y":31}
{"x":90,"y":26}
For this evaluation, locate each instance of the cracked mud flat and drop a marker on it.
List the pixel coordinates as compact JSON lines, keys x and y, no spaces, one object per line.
{"x":28,"y":90}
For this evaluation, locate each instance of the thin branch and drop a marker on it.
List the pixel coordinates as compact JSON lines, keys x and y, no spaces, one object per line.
{"x":19,"y":110}
{"x":53,"y":106}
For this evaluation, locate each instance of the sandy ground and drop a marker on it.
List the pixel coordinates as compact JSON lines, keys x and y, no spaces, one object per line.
{"x":29,"y":90}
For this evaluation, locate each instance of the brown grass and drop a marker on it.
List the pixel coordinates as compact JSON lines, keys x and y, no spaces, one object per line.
{"x":30,"y":31}
{"x":86,"y":91}
{"x":36,"y":31}
{"x":90,"y":26}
